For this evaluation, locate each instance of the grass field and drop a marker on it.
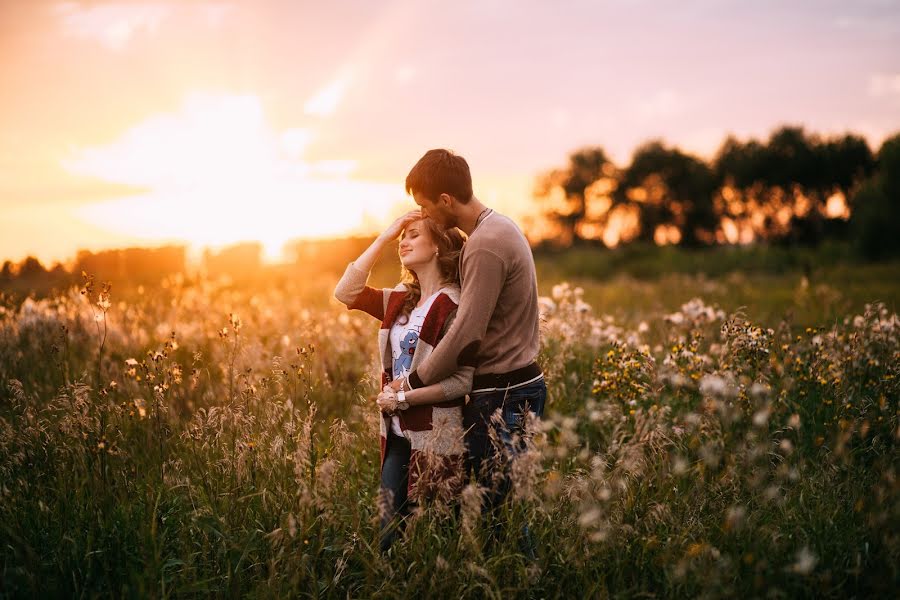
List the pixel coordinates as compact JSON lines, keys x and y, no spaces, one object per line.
{"x":728,"y":434}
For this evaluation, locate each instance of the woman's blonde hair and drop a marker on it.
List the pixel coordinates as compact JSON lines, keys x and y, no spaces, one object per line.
{"x":449,"y":242}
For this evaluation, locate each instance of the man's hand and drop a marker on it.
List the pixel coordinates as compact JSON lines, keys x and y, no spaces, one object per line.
{"x":395,"y":384}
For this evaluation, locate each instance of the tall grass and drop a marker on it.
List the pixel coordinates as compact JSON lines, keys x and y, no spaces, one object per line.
{"x":223,"y":441}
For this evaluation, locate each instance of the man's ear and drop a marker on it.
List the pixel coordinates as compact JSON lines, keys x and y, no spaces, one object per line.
{"x":446,"y":199}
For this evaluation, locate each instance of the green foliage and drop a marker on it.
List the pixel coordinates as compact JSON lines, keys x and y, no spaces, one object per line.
{"x":876,"y":215}
{"x":777,"y":188}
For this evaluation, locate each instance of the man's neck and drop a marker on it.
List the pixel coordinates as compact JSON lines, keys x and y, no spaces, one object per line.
{"x":468,"y":219}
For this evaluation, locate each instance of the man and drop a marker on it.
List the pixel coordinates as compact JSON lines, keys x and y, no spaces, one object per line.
{"x":496,"y":327}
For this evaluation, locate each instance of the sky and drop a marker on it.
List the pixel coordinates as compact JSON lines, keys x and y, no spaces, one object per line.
{"x":144,"y":123}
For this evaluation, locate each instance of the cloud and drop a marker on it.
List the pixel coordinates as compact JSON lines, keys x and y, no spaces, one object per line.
{"x":116,"y":24}
{"x":325,"y":102}
{"x":113,"y":25}
{"x":209,"y":137}
{"x":217,"y":172}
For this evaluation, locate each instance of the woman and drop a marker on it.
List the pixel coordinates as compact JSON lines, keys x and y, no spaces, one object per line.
{"x":422,"y":447}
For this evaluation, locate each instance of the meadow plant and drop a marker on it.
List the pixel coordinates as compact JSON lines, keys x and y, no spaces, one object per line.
{"x":172,"y":447}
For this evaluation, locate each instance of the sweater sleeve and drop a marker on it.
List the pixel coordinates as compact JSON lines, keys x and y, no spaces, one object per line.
{"x":459,"y":383}
{"x":485,"y":274}
{"x":353,"y":291}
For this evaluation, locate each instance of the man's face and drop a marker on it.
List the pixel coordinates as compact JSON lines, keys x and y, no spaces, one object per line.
{"x":439,"y":210}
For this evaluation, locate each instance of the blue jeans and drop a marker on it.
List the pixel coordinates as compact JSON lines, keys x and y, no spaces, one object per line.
{"x":392,"y":501}
{"x":483,"y":455}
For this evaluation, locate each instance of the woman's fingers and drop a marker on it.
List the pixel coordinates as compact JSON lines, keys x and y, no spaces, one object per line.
{"x":396,"y":228}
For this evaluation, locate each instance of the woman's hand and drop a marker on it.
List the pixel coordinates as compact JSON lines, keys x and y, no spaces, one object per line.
{"x":387,"y":400}
{"x":367,"y":259}
{"x":394,"y":230}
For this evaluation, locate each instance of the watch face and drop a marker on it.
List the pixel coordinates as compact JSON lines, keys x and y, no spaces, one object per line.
{"x":403,"y":405}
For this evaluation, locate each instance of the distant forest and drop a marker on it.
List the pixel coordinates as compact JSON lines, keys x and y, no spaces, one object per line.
{"x":794,"y":188}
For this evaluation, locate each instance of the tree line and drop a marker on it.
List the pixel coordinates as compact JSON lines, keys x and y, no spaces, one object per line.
{"x":795,"y":187}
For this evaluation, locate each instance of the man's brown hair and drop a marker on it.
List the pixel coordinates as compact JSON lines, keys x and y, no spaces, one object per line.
{"x":439,"y":172}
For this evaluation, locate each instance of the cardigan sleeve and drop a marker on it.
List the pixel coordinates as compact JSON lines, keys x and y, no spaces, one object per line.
{"x":352,"y":291}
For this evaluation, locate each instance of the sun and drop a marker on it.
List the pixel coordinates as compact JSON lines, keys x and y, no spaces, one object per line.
{"x":216,"y":174}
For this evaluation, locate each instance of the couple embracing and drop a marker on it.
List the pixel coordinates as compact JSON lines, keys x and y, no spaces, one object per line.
{"x":458,"y":342}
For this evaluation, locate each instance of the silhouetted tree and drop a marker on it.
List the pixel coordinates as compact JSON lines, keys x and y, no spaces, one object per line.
{"x":782,"y":186}
{"x":586,"y":168}
{"x":670,"y":188}
{"x":31,"y":268}
{"x":875,"y":221}
{"x":6,"y":273}
{"x":790,"y":187}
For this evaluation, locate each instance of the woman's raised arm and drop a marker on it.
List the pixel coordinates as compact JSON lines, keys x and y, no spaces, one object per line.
{"x":352,"y":289}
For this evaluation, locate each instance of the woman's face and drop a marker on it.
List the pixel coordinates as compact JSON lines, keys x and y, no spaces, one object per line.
{"x":416,"y":246}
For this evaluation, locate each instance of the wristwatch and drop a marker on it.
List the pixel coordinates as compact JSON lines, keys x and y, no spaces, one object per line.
{"x":402,"y":404}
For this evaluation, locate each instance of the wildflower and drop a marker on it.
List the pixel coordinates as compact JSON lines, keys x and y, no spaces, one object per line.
{"x":761,"y":417}
{"x":141,"y":407}
{"x":735,"y":517}
{"x":759,"y":390}
{"x":560,"y":291}
{"x":589,"y":517}
{"x":292,"y":525}
{"x":546,"y":306}
{"x":696,"y":549}
{"x":805,"y":563}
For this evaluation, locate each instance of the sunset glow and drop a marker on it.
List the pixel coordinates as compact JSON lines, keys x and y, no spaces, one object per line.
{"x":210,"y":123}
{"x":217,"y":174}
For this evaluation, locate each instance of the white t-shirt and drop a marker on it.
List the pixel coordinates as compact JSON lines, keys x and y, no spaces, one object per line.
{"x":404,"y":338}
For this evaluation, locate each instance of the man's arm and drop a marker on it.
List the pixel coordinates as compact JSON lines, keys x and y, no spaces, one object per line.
{"x":484,"y":279}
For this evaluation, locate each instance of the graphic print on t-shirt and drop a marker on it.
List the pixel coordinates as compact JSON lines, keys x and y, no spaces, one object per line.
{"x":405,"y":337}
{"x":403,"y":363}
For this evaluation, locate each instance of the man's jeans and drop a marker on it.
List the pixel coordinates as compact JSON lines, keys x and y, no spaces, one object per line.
{"x":483,"y":458}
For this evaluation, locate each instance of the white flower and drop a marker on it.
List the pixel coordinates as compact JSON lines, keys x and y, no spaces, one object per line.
{"x":761,"y":417}
{"x":713,"y":385}
{"x":560,"y":291}
{"x":675,"y":318}
{"x":546,"y":306}
{"x":759,"y":390}
{"x":806,"y":562}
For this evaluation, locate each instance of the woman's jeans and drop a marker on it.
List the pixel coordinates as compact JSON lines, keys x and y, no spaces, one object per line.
{"x":486,"y":457}
{"x":393,"y":502}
